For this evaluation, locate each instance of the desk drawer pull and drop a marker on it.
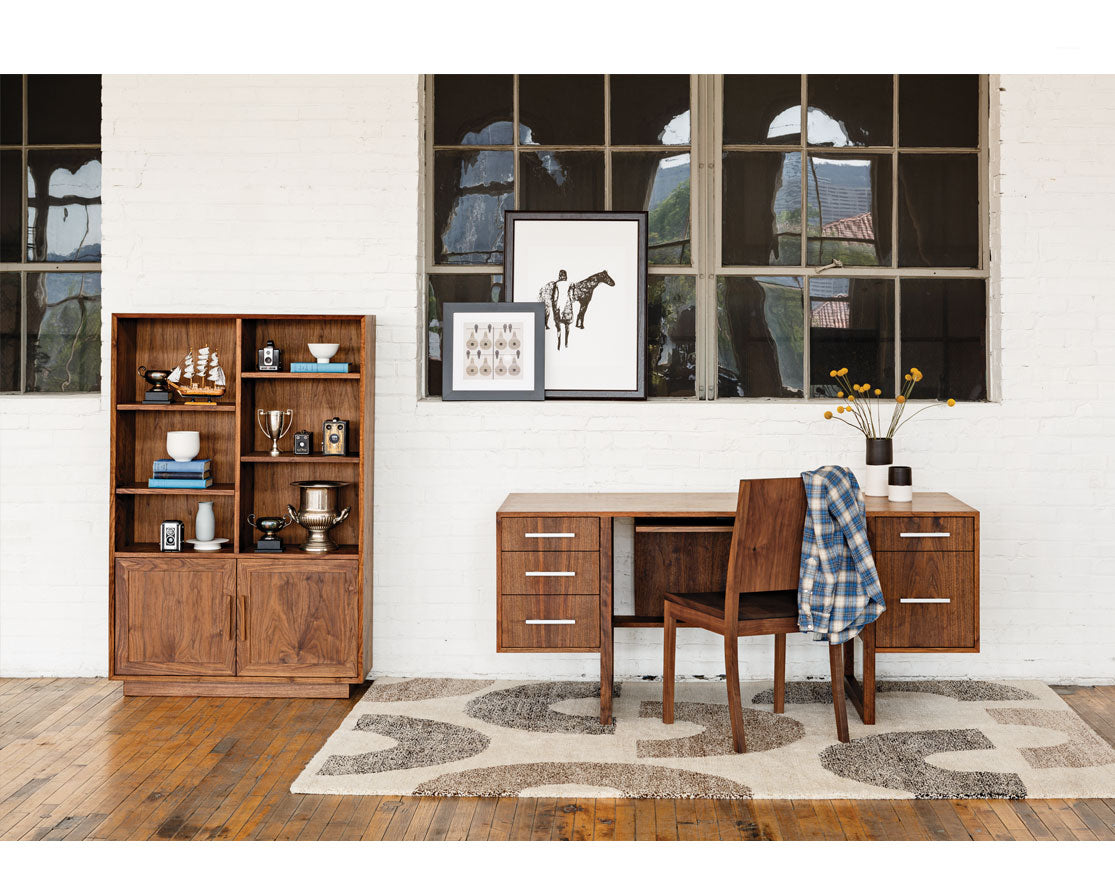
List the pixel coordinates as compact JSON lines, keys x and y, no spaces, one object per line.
{"x":550,"y":621}
{"x":925,"y":535}
{"x":549,"y":535}
{"x":925,"y":600}
{"x":549,"y":575}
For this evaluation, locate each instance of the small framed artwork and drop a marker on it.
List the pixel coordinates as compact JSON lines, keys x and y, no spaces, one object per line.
{"x":589,"y":271}
{"x":492,"y":351}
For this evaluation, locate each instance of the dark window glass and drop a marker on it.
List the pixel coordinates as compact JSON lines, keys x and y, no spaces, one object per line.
{"x":64,"y":204}
{"x":63,"y":108}
{"x":672,"y":336}
{"x":649,"y":109}
{"x":9,"y":332}
{"x":849,"y":209}
{"x":938,"y":110}
{"x":760,"y":337}
{"x":851,"y":110}
{"x":562,"y":181}
{"x":11,"y":205}
{"x":473,"y":109}
{"x":657,"y":183}
{"x":561,"y":110}
{"x":63,"y":332}
{"x":944,"y":335}
{"x":471,"y":192}
{"x":443,"y":288}
{"x":938,"y":210}
{"x":762,"y":208}
{"x":11,"y":109}
{"x":851,"y":324}
{"x":762,"y":109}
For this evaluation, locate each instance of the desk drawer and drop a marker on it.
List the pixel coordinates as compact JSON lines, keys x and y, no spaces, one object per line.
{"x":550,"y":572}
{"x":550,"y":533}
{"x":930,"y":599}
{"x":922,"y":533}
{"x":550,"y":622}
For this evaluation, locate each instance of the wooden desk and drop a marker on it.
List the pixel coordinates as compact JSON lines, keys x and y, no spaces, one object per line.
{"x":555,"y":573}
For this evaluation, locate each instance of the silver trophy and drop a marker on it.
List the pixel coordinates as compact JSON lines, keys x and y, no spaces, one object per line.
{"x":271,"y":422}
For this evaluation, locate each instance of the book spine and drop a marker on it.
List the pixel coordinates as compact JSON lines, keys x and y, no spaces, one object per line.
{"x":164,"y":465}
{"x":313,"y":367}
{"x":200,"y":474}
{"x":179,"y":483}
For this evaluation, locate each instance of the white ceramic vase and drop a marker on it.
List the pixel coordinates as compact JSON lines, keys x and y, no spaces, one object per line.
{"x":205,"y":524}
{"x":183,"y":445}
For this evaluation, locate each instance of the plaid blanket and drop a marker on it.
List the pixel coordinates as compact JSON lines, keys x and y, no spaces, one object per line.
{"x":838,"y":588}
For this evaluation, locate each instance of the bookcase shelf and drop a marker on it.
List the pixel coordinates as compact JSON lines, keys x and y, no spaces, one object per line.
{"x":263,"y":457}
{"x":138,"y":488}
{"x":173,"y":408}
{"x":308,"y":375}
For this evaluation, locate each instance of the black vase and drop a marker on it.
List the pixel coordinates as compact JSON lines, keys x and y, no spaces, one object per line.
{"x":880,"y":452}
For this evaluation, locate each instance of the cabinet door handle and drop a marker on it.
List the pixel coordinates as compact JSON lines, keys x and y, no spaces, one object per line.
{"x":925,"y":600}
{"x":551,"y":574}
{"x":243,"y":617}
{"x":231,"y":616}
{"x":924,"y":534}
{"x":550,"y":535}
{"x":550,"y":621}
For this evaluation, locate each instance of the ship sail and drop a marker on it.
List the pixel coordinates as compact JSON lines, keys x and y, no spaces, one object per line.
{"x":175,"y":375}
{"x":216,"y":375}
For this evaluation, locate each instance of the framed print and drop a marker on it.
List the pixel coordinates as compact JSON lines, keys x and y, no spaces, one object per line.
{"x":589,"y":271}
{"x":492,"y":351}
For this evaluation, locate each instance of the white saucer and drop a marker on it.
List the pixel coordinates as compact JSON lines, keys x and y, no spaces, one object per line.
{"x":214,"y":545}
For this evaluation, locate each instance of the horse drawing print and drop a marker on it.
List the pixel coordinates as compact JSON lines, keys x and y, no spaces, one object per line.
{"x":581,"y":292}
{"x":549,"y":294}
{"x":559,"y":296}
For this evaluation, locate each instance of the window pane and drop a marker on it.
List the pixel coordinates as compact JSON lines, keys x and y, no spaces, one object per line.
{"x":649,"y":109}
{"x":938,"y":210}
{"x":471,"y":192}
{"x":63,"y":332}
{"x":11,"y":109}
{"x":762,"y":208}
{"x":944,"y":335}
{"x":760,"y":336}
{"x":851,"y":325}
{"x":657,"y":183}
{"x":64,"y":204}
{"x":452,"y":288}
{"x":562,"y":181}
{"x":561,"y":110}
{"x":938,"y":110}
{"x":850,"y":110}
{"x":473,"y":109}
{"x":672,"y":336}
{"x":11,"y":205}
{"x":9,"y":332}
{"x":849,"y":209}
{"x":63,"y":108}
{"x":762,"y":109}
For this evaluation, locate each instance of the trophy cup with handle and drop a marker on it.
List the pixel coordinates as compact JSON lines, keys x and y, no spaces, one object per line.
{"x":271,"y":422}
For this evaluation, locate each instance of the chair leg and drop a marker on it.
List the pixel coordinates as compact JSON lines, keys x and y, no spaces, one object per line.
{"x":779,"y":673}
{"x":669,"y":649}
{"x":836,"y":669}
{"x":735,"y":701}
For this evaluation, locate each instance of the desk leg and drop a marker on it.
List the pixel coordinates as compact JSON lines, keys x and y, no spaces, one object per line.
{"x":862,"y":696}
{"x":607,"y":642}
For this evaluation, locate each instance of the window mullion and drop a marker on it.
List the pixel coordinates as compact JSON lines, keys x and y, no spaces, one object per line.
{"x":708,"y":216}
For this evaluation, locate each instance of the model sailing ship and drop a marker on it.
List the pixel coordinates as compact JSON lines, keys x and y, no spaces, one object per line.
{"x":199,"y":380}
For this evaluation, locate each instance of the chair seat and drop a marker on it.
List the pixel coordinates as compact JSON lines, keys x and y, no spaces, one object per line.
{"x":758,"y":605}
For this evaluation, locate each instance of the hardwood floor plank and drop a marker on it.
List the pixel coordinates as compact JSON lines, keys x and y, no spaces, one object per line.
{"x":1010,"y":821}
{"x":1086,"y":810}
{"x":950,"y":820}
{"x":707,"y":825}
{"x":404,"y":815}
{"x":973,"y":824}
{"x":1029,"y":817}
{"x":644,"y":820}
{"x":584,"y":821}
{"x":565,"y":813}
{"x":361,"y":818}
{"x":423,"y":817}
{"x":787,"y":824}
{"x":1071,"y":820}
{"x":766,"y":819}
{"x":381,"y":818}
{"x":443,"y":815}
{"x":805,"y":816}
{"x":1049,"y":817}
{"x":462,"y":817}
{"x":828,"y":819}
{"x":317,"y":823}
{"x":625,"y":820}
{"x":685,"y":814}
{"x":482,"y":819}
{"x":503,"y":819}
{"x":340,"y":820}
{"x":665,"y":820}
{"x":523,"y":824}
{"x":604,"y":827}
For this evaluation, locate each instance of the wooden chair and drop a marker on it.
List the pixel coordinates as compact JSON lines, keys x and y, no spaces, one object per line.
{"x":760,"y":598}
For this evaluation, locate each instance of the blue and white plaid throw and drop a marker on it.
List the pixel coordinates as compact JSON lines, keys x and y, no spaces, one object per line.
{"x":838,"y":588}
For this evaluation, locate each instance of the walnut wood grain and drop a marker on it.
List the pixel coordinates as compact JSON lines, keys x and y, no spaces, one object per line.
{"x":921,"y":533}
{"x":675,"y":561}
{"x":169,"y":687}
{"x":575,"y":533}
{"x":515,"y":575}
{"x":560,"y":622}
{"x":934,"y":575}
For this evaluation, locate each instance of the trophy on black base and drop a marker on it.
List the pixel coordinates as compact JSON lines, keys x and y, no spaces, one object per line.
{"x":270,"y":526}
{"x":158,"y":393}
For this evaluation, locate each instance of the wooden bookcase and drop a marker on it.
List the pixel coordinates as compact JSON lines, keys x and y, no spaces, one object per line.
{"x":237,"y":622}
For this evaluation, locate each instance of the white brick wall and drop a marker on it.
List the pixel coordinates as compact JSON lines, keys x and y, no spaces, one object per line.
{"x":260,"y":194}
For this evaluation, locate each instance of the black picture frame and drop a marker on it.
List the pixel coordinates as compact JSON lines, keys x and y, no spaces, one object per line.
{"x":534,"y":382}
{"x":512,"y":218}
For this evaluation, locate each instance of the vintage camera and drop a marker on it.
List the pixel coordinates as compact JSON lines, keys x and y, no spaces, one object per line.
{"x":334,"y":436}
{"x":270,"y":359}
{"x":303,"y":442}
{"x":171,"y":535}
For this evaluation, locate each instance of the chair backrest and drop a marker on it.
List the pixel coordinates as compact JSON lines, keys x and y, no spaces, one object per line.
{"x":766,"y":539}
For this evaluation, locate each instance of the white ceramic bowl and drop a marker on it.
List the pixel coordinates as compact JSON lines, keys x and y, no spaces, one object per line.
{"x":183,"y":444}
{"x":323,"y":351}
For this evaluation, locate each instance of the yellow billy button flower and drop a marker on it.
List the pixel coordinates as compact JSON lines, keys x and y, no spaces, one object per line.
{"x":843,"y":371}
{"x":839,"y":410}
{"x":908,"y":377}
{"x":828,"y":415}
{"x":832,"y":373}
{"x":839,"y":394}
{"x":952,"y":402}
{"x":901,"y":399}
{"x":878,"y":391}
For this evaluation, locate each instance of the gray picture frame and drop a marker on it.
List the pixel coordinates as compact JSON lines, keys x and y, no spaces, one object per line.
{"x":535,"y":379}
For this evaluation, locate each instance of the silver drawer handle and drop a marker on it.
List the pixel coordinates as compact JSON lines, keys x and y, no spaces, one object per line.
{"x":925,"y":600}
{"x":550,"y":535}
{"x":550,"y":621}
{"x":925,"y":534}
{"x":547,"y":574}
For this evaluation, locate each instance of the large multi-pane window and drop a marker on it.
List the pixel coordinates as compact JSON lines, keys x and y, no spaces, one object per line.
{"x":797,"y":223}
{"x":50,"y":233}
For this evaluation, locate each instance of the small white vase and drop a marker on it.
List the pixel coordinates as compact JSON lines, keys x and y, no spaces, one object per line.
{"x":205,"y":524}
{"x":183,"y":445}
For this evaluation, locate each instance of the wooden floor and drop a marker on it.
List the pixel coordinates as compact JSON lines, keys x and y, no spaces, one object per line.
{"x":78,"y":761}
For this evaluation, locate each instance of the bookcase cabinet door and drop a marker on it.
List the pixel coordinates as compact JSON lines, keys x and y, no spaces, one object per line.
{"x":298,"y":617}
{"x":175,"y":616}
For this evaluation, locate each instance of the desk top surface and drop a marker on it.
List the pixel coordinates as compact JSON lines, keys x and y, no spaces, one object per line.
{"x":695,"y":504}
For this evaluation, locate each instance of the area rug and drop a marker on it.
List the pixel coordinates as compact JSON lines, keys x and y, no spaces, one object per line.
{"x":933,"y":740}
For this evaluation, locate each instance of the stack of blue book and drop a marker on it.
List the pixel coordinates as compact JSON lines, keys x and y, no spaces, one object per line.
{"x":167,"y":473}
{"x":314,"y":367}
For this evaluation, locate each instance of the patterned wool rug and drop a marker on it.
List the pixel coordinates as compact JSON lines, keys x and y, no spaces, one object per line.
{"x":933,"y":739}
